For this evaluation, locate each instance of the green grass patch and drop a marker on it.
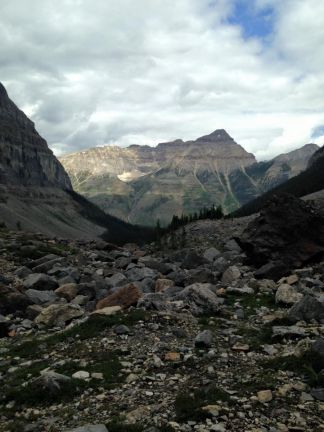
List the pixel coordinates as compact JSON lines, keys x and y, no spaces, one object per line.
{"x":251,"y":302}
{"x":86,"y":330}
{"x":34,"y":394}
{"x":308,"y":366}
{"x":258,"y":381}
{"x":105,"y":362}
{"x":256,"y":337}
{"x":189,"y":406}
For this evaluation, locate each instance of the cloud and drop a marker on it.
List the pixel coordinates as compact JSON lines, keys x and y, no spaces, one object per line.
{"x":104,"y":72}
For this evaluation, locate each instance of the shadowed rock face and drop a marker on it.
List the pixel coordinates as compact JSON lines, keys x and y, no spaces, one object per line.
{"x":288,"y":230}
{"x":319,"y":154}
{"x":25,"y":159}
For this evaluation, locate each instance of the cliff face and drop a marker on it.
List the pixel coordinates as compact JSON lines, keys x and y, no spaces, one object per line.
{"x":25,"y":159}
{"x":33,"y":183}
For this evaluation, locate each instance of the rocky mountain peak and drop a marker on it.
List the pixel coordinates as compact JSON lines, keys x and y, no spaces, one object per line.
{"x":219,"y":135}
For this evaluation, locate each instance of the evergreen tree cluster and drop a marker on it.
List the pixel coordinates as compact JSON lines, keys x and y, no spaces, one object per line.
{"x":205,"y":213}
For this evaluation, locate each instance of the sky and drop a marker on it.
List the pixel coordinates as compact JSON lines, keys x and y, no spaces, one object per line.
{"x":108,"y":72}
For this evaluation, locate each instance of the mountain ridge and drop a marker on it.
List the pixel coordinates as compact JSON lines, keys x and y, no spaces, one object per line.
{"x":142,"y":184}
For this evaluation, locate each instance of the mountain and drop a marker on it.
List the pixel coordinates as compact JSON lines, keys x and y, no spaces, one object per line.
{"x":142,"y":184}
{"x":263,"y":176}
{"x":306,"y":184}
{"x":35,"y":191}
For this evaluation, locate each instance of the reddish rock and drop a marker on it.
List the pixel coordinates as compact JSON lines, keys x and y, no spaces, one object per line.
{"x":124,"y":297}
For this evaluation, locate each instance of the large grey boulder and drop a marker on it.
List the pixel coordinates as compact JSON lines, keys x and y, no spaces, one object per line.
{"x":288,"y":295}
{"x":200,"y":298}
{"x":139,"y":273}
{"x":48,"y":265}
{"x":231,"y":275}
{"x":51,"y":382}
{"x":41,"y":297}
{"x":40,"y":281}
{"x":211,"y":254}
{"x":59,"y":314}
{"x":116,"y":280}
{"x":154,"y":301}
{"x":307,"y":309}
{"x":192,"y":260}
{"x":22,"y":272}
{"x":204,"y":339}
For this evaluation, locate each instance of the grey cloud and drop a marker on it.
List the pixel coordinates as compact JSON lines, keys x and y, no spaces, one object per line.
{"x":106,"y":72}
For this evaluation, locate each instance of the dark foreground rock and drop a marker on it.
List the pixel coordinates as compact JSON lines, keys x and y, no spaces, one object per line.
{"x":288,"y":231}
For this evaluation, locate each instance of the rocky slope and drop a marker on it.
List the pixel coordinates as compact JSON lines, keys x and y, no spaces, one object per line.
{"x":305,"y":184}
{"x":154,"y":339}
{"x":142,"y":184}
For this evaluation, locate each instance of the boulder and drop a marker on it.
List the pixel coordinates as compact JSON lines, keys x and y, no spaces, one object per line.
{"x":58,"y":314}
{"x":231,"y":275}
{"x":140,"y":273}
{"x":201,"y":275}
{"x":154,"y":301}
{"x":232,"y":246}
{"x":204,"y":339}
{"x":160,"y":267}
{"x":40,"y":281}
{"x":50,"y":381}
{"x":43,"y":260}
{"x":68,"y":291}
{"x":163,"y":284}
{"x":146,"y":285}
{"x":116,"y":280}
{"x":48,"y":265}
{"x":288,"y":230}
{"x":288,"y":331}
{"x":288,"y":295}
{"x":193,"y":260}
{"x":124,"y":297}
{"x":22,"y":272}
{"x":41,"y":297}
{"x":33,"y":311}
{"x":272,"y":270}
{"x":318,"y":393}
{"x":200,"y":299}
{"x":307,"y":309}
{"x":12,"y":300}
{"x":211,"y":254}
